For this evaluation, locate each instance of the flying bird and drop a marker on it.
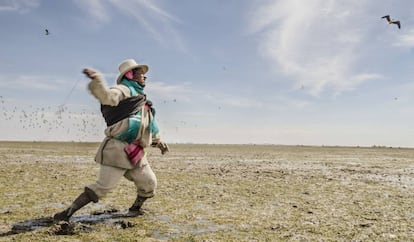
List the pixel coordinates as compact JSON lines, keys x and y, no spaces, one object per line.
{"x":46,"y":31}
{"x":392,"y":21}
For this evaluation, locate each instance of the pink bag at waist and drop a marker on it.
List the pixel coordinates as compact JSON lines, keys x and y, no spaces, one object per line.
{"x":134,"y":152}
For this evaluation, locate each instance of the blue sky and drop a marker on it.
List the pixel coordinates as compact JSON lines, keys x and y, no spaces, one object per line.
{"x":293,"y":72}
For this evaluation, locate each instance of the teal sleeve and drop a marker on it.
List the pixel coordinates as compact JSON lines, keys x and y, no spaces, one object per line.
{"x":154,"y":127}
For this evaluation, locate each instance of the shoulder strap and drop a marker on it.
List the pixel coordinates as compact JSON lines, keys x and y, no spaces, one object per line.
{"x":126,"y":107}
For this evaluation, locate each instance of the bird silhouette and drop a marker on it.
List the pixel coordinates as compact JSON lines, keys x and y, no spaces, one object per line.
{"x":392,"y":21}
{"x":46,"y":31}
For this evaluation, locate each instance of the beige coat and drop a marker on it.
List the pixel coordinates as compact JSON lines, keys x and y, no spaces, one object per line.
{"x":111,"y":151}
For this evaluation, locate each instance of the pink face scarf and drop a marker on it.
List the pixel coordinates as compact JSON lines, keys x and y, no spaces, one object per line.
{"x":129,"y":75}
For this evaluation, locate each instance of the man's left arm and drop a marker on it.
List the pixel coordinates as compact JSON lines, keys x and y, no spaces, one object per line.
{"x":156,"y":140}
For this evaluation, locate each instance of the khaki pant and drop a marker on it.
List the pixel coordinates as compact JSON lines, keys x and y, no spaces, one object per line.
{"x":143,"y":177}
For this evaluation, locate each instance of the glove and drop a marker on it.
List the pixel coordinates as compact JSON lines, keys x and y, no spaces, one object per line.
{"x":90,"y":73}
{"x":162,"y":146}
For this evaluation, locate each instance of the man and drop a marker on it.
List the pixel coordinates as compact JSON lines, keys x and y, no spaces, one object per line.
{"x":131,"y":128}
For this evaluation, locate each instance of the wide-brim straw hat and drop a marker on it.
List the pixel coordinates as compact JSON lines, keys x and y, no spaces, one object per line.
{"x":128,"y":65}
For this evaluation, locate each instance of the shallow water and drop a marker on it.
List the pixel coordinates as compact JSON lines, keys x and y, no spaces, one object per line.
{"x":106,"y":216}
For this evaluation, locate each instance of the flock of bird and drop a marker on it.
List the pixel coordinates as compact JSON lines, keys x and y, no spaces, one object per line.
{"x":52,"y":120}
{"x":85,"y":123}
{"x":49,"y":121}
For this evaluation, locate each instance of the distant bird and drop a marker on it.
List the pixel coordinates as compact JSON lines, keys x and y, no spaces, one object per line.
{"x":46,"y":31}
{"x":392,"y":21}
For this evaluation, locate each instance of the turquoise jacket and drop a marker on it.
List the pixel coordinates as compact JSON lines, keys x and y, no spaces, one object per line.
{"x":135,"y":119}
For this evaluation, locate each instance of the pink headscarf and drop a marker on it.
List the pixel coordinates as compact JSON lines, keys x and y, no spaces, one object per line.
{"x":129,"y":75}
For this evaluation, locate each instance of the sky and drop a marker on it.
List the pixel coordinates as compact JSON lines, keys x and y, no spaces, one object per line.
{"x":288,"y":72}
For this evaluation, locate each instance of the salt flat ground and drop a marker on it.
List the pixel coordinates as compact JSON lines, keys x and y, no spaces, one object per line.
{"x":218,"y":193}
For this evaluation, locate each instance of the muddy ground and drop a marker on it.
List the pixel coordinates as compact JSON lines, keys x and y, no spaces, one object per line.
{"x":214,"y":193}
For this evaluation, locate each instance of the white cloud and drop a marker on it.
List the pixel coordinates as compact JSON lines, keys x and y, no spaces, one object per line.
{"x":153,"y":18}
{"x":35,"y":82}
{"x":29,"y":82}
{"x":95,"y":8}
{"x":406,"y":39}
{"x":317,"y":43}
{"x":187,"y":93}
{"x":21,"y":6}
{"x":163,"y":90}
{"x":234,"y":101}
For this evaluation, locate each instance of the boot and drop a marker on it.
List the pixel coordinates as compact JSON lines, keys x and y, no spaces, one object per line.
{"x":83,"y":199}
{"x":136,"y":207}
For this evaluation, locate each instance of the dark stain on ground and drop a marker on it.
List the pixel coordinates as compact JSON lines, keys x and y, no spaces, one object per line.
{"x":77,"y":224}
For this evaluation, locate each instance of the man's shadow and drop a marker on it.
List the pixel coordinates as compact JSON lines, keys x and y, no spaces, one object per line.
{"x":76,"y":222}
